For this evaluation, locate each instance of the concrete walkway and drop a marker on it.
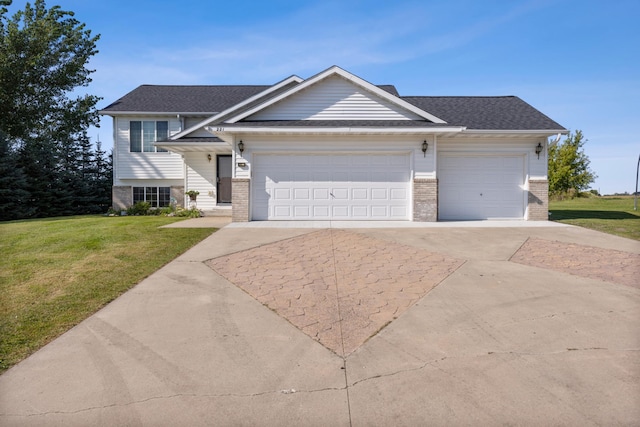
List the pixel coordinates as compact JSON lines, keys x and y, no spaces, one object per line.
{"x":487,"y":334}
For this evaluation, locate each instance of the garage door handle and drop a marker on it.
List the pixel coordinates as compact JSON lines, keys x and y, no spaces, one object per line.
{"x":480,"y":194}
{"x":331,"y":194}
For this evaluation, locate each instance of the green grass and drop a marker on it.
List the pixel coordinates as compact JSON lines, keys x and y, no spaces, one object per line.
{"x":56,"y":272}
{"x":609,"y":214}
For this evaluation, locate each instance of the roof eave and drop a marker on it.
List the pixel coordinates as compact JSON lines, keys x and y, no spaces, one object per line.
{"x":547,"y":132}
{"x":355,"y":130}
{"x":155,"y":113}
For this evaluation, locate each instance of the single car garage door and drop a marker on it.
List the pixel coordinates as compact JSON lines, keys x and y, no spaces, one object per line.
{"x":475,"y":187}
{"x":331,"y":187}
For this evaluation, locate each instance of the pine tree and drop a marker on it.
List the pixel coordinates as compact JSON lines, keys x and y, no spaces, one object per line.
{"x":14,"y":197}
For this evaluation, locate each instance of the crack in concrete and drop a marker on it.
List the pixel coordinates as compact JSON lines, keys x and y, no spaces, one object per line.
{"x":489,"y":353}
{"x":173,"y":396}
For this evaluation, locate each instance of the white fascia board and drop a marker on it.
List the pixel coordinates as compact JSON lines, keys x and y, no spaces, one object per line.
{"x":347,"y":75}
{"x":221,"y":131}
{"x":537,"y":132}
{"x":240,"y":105}
{"x":154,"y":113}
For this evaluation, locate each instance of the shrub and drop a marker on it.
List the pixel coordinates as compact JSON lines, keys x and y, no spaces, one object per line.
{"x":140,"y":208}
{"x":188,"y":213}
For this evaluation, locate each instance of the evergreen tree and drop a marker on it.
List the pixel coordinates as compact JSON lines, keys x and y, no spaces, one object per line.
{"x":569,"y":166}
{"x":104,"y":177}
{"x":14,"y":198}
{"x":43,"y":58}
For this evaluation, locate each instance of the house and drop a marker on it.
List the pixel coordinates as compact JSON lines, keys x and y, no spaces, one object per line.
{"x":331,"y":147}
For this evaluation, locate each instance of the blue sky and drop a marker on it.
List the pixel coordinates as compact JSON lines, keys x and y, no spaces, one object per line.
{"x":575,"y":60}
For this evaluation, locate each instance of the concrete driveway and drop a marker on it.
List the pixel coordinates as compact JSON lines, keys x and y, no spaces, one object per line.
{"x":413,"y":326}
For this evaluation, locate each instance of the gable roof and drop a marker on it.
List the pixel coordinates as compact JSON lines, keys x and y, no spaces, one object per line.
{"x":234,"y":104}
{"x":337,"y":71}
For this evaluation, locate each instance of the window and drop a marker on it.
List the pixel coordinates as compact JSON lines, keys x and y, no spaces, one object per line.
{"x":142,"y":135}
{"x":158,"y":197}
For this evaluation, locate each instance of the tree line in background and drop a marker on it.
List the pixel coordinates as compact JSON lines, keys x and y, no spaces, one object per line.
{"x":48,"y":165}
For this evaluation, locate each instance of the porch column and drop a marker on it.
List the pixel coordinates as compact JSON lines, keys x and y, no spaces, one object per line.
{"x":240,"y":199}
{"x":121,"y":196}
{"x":538,"y":200}
{"x":425,"y":200}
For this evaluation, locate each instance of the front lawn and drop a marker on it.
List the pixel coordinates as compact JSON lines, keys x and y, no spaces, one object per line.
{"x":609,"y":214}
{"x":56,"y":272}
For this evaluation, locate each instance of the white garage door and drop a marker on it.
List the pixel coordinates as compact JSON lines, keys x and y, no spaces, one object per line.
{"x":331,"y":187}
{"x":480,"y":187}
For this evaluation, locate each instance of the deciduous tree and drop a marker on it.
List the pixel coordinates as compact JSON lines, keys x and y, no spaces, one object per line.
{"x":569,"y":165}
{"x":44,"y":56}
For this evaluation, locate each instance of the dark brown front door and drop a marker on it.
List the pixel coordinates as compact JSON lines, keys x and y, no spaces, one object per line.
{"x":224,"y":179}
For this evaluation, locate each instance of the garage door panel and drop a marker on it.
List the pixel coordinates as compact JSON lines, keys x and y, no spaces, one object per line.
{"x":359,"y":194}
{"x":320,"y":194}
{"x":340,"y":193}
{"x":379,"y":194}
{"x":360,"y":211}
{"x":480,"y":186}
{"x":301,"y":211}
{"x":399,"y":194}
{"x":282,"y":211}
{"x":301,"y":194}
{"x":282,"y":194}
{"x":321,"y":212}
{"x":340,"y":186}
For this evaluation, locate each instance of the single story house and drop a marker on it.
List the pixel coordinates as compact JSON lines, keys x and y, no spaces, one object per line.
{"x":331,"y":147}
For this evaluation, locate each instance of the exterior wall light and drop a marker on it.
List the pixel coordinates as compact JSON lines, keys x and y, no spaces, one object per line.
{"x":424,"y":148}
{"x":241,"y":147}
{"x":539,"y":149}
{"x":209,"y":157}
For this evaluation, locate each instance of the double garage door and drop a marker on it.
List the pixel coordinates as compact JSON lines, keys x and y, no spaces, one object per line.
{"x":331,"y":187}
{"x":475,"y":187}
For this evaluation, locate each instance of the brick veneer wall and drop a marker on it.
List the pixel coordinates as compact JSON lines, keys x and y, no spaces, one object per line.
{"x":240,"y":199}
{"x":425,"y":200}
{"x":538,"y":204}
{"x":121,"y":196}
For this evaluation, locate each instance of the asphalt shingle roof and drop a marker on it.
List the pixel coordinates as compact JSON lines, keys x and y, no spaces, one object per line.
{"x":473,"y":112}
{"x":485,"y":112}
{"x":183,"y":99}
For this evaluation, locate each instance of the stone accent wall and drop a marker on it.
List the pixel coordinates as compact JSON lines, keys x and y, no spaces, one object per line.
{"x":178,"y":194}
{"x":121,"y":197}
{"x":425,"y":200}
{"x":538,"y":205}
{"x":240,"y":199}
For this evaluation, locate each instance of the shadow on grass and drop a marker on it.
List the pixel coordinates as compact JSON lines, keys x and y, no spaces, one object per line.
{"x":559,"y":214}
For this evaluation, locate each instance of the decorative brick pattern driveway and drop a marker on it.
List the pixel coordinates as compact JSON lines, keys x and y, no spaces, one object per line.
{"x":338,"y":287}
{"x":581,"y":260}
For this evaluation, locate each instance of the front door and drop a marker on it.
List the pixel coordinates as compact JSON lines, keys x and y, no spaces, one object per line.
{"x":224,"y":178}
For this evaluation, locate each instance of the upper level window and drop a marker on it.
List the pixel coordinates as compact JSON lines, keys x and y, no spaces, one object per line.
{"x":142,"y":135}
